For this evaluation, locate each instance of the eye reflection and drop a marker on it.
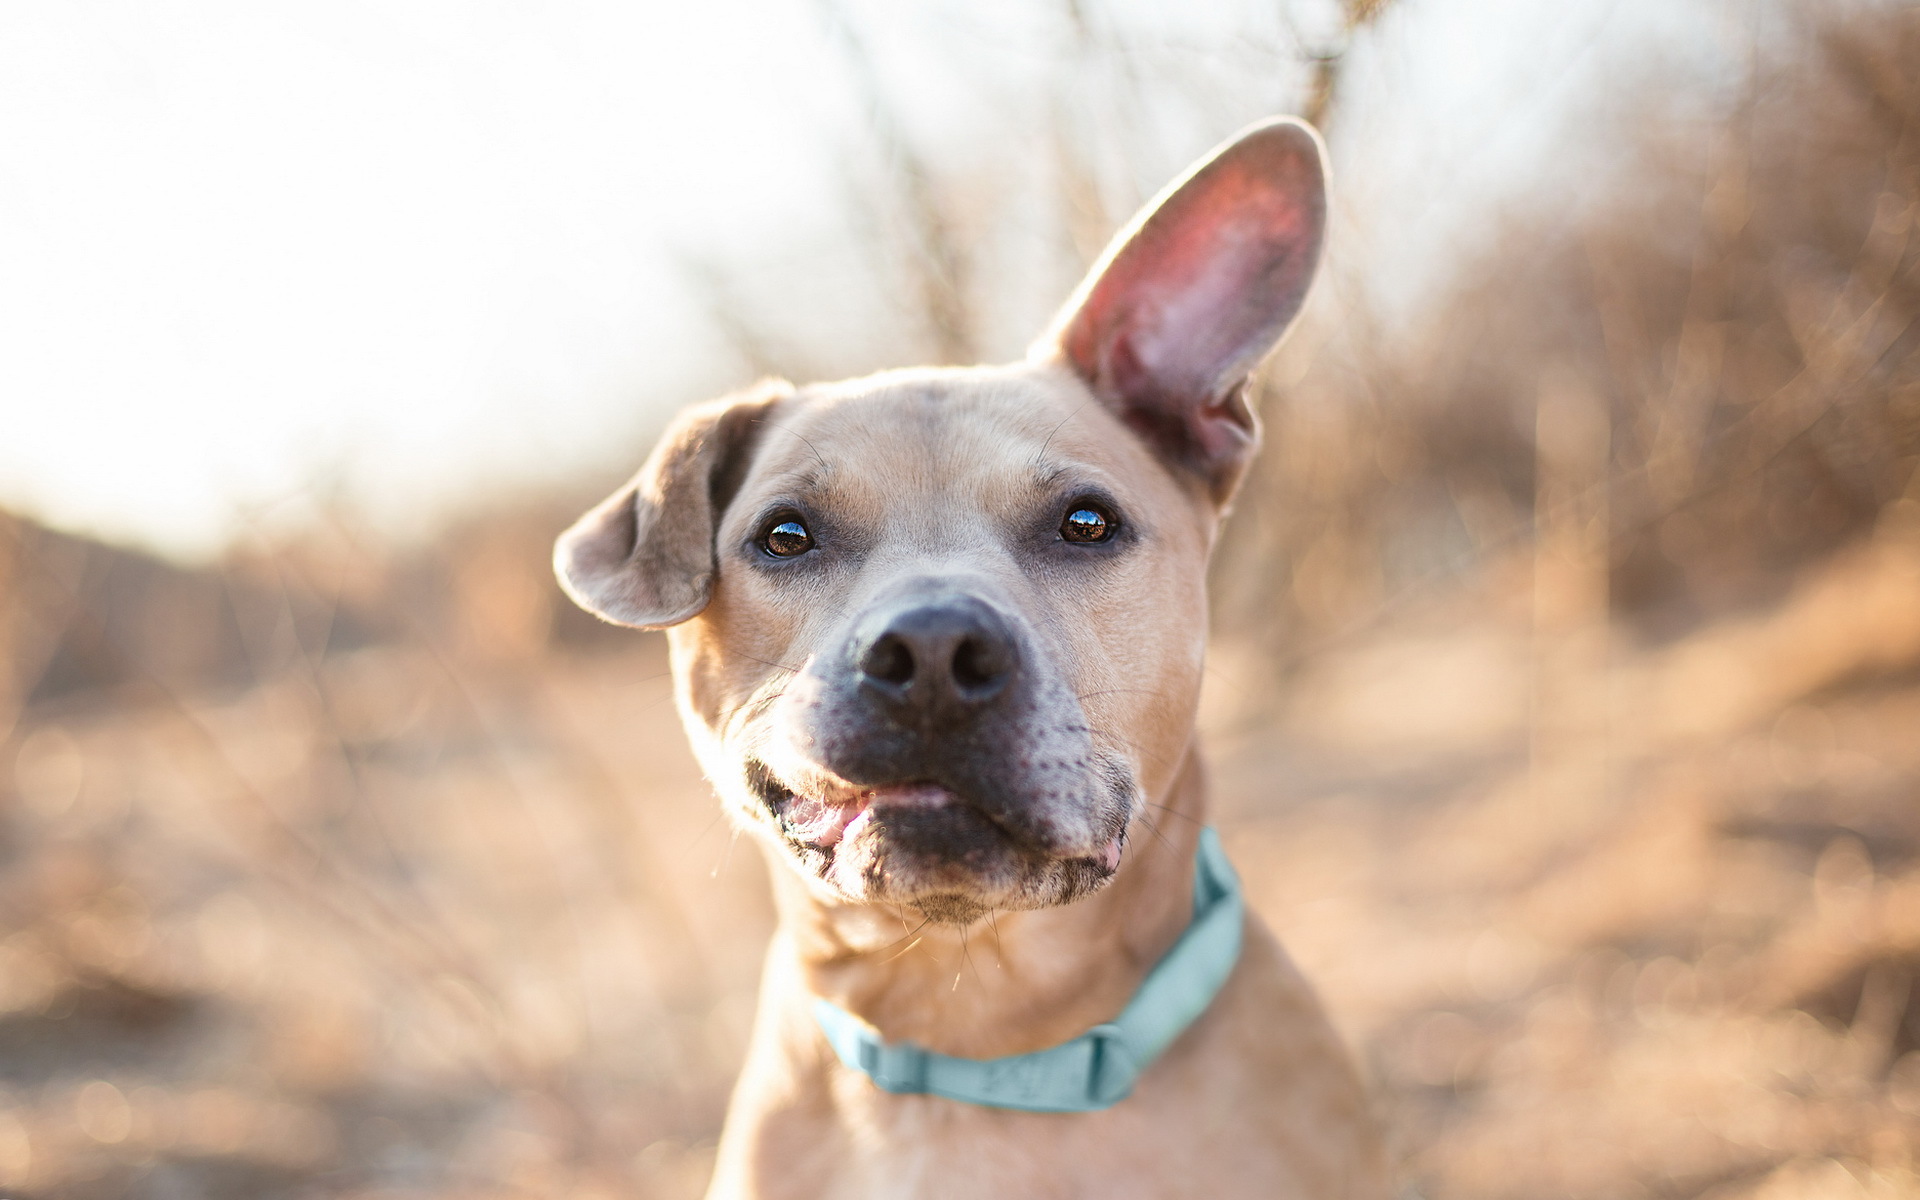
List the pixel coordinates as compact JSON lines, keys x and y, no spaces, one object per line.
{"x":787,"y":539}
{"x":1086,"y":522}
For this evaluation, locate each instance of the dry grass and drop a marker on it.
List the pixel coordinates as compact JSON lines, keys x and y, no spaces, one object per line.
{"x":445,"y":911}
{"x":1662,"y":942}
{"x":383,"y":916}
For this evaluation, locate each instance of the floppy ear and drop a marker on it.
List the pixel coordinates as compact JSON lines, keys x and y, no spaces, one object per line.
{"x":644,"y":556}
{"x":1192,"y":294}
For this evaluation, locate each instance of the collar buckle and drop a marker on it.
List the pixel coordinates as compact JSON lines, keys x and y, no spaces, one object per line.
{"x":1112,"y":1071}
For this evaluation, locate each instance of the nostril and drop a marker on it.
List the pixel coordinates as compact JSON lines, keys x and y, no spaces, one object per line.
{"x":889,"y":660}
{"x":980,"y":664}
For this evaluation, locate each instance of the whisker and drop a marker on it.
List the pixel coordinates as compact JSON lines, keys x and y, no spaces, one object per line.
{"x":1174,"y":812}
{"x":767,"y":662}
{"x":966,"y":961}
{"x":726,"y":857}
{"x":903,"y":937}
{"x":640,"y":679}
{"x":1154,"y":828}
{"x":718,"y":815}
{"x":1120,"y":691}
{"x":803,"y":437}
{"x":1162,"y":759}
{"x":751,"y":709}
{"x":1041,"y":454}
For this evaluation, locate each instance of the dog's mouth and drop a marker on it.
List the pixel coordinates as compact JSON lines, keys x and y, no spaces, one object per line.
{"x":925,"y":817}
{"x":820,"y":819}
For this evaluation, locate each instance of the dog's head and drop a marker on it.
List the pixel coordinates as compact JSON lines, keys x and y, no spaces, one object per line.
{"x":938,"y":633}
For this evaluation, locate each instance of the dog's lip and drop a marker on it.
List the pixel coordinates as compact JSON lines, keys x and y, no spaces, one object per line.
{"x":827,"y":810}
{"x":833,"y":816}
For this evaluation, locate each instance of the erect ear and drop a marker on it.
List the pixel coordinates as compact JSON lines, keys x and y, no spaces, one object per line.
{"x":644,"y":556}
{"x":1192,"y":294}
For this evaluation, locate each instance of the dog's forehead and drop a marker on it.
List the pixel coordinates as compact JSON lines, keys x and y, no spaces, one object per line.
{"x":992,"y":436}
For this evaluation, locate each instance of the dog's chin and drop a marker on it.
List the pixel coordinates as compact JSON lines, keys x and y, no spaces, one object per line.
{"x":922,"y":846}
{"x":956,"y":866}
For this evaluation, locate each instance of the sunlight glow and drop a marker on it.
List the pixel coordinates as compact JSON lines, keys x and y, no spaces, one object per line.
{"x":255,"y":257}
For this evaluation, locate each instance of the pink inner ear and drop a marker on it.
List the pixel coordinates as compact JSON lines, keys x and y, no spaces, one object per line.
{"x":1192,"y":300}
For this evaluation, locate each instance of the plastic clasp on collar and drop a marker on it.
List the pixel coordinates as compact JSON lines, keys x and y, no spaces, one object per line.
{"x":1114,"y":1070}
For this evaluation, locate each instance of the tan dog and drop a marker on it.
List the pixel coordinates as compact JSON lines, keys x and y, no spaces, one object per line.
{"x":937,"y":636}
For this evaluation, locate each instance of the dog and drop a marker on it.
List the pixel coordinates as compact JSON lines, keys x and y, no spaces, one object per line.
{"x":937,"y":639}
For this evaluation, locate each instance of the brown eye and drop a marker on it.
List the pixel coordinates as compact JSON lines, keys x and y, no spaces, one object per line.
{"x":787,"y":539}
{"x":1088,"y":523}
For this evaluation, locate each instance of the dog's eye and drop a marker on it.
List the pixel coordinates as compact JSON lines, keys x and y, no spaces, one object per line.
{"x":1088,"y":522}
{"x":786,"y":538}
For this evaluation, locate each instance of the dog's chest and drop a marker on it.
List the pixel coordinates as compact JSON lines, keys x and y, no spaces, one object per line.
{"x":1256,"y":1100}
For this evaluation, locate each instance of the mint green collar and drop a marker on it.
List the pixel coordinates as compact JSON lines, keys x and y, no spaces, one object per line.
{"x":1097,"y":1069}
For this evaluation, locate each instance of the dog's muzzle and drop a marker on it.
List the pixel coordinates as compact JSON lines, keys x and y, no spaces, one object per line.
{"x":935,"y":690}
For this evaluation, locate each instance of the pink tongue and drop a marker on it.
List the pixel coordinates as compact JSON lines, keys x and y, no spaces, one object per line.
{"x":819,"y":823}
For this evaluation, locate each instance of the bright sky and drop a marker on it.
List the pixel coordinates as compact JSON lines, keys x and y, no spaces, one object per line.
{"x":420,"y":251}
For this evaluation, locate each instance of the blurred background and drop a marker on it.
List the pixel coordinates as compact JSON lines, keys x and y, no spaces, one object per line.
{"x":1565,"y":702}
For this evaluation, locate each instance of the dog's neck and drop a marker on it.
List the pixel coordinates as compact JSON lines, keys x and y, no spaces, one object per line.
{"x":1016,"y":981}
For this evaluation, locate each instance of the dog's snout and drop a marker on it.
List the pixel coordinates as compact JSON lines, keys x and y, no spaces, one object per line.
{"x":942,"y":654}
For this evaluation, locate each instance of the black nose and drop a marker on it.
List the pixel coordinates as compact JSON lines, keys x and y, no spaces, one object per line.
{"x":950,"y":654}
